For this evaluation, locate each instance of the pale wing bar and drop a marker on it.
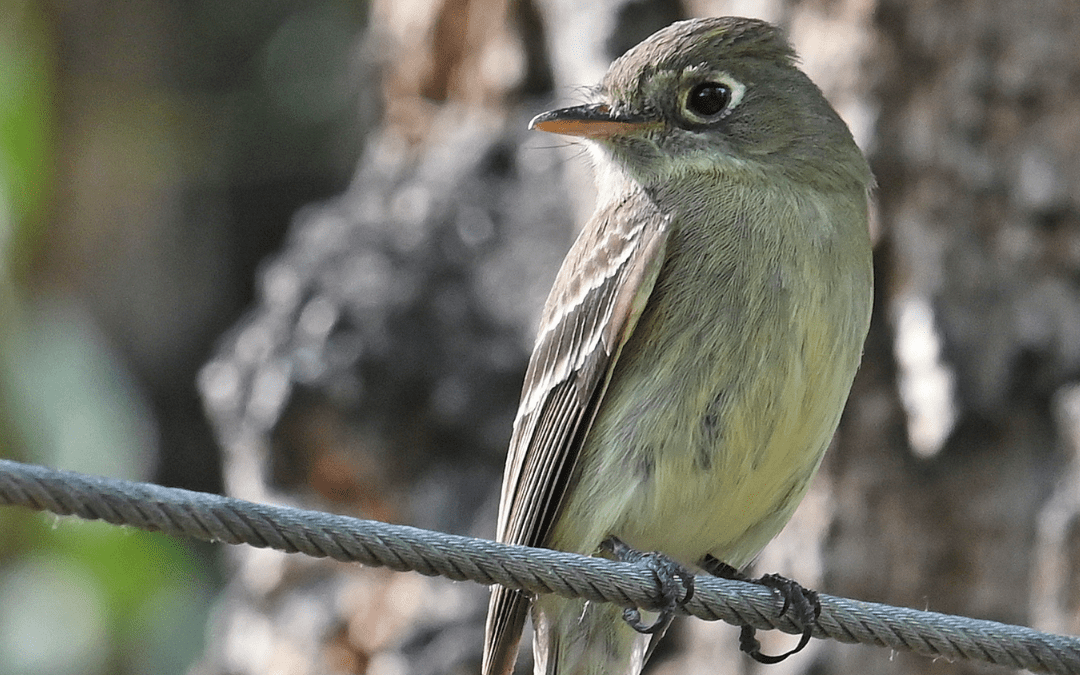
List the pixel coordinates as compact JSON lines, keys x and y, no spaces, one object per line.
{"x":615,"y":259}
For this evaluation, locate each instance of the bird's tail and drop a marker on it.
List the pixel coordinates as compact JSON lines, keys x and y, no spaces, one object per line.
{"x":576,"y":637}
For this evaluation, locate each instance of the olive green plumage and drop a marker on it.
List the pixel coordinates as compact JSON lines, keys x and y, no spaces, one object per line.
{"x":700,"y":340}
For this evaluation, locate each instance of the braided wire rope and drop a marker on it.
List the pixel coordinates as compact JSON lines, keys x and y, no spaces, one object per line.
{"x":223,"y":519}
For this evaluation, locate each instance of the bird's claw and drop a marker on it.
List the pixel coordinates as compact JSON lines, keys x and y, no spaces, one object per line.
{"x":804,"y":603}
{"x":676,"y":584}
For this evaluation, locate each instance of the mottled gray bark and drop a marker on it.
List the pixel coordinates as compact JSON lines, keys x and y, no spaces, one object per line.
{"x":379,"y":372}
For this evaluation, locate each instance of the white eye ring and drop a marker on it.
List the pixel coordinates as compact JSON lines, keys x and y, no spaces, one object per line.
{"x":711,"y":98}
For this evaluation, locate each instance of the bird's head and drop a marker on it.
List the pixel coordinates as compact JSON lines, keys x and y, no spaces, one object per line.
{"x":719,"y":95}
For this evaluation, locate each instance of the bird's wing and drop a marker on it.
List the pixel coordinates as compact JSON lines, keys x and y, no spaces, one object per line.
{"x":598,"y":296}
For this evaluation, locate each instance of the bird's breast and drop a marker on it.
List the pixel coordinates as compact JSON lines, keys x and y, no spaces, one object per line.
{"x":727,"y":393}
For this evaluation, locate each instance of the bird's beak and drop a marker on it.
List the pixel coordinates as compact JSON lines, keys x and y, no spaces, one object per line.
{"x":591,"y":121}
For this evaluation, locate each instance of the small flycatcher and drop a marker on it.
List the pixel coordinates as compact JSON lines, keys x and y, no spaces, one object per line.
{"x":700,"y":341}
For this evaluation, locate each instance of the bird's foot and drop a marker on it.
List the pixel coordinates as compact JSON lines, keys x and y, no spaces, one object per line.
{"x":676,"y":584}
{"x":804,"y":603}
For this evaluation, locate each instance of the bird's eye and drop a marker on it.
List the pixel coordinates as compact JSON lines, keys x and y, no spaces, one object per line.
{"x":708,"y":99}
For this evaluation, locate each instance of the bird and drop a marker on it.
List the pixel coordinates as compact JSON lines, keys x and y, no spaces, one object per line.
{"x":701,"y":338}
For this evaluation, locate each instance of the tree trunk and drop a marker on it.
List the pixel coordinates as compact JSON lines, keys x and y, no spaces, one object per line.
{"x":953,"y":484}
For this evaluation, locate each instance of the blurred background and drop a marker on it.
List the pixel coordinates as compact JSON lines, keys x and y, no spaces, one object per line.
{"x":151,"y":155}
{"x":295,"y":252}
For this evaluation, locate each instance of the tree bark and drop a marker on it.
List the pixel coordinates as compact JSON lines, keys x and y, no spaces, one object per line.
{"x":953,"y":483}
